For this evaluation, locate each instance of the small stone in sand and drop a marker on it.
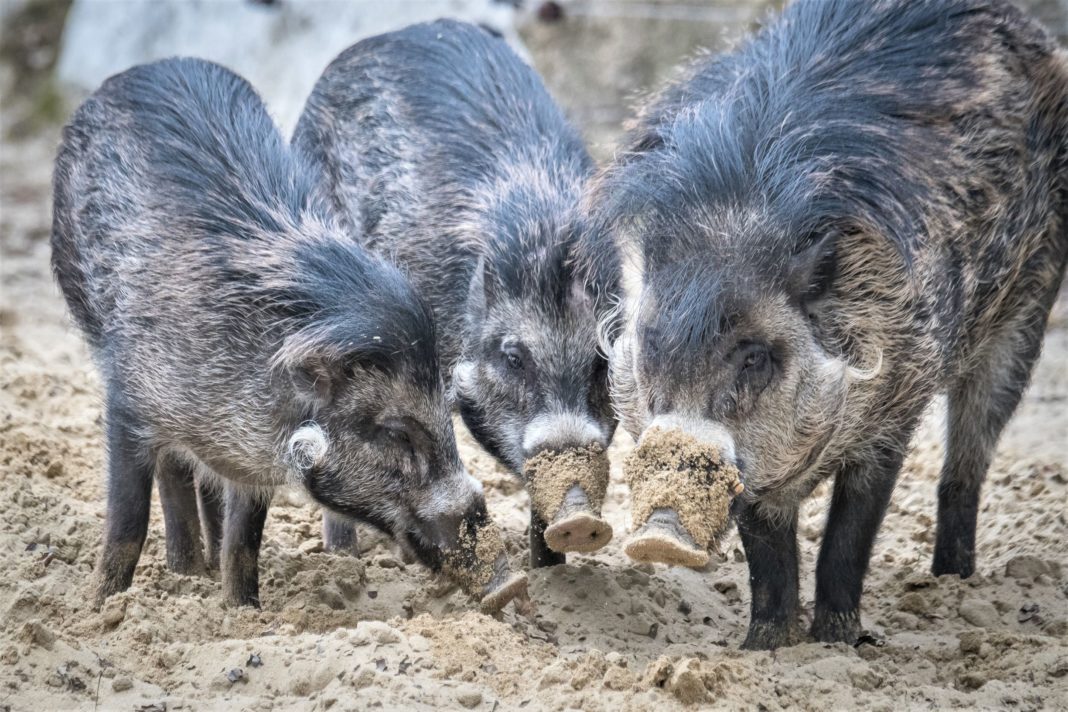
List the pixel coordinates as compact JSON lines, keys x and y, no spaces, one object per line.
{"x":469,"y":698}
{"x":978,"y":612}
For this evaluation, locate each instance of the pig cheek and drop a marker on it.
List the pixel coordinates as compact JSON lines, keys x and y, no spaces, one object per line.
{"x":817,"y":415}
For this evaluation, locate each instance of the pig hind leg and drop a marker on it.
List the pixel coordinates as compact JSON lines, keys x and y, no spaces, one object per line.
{"x":980,"y":403}
{"x":771,"y":549}
{"x":339,"y":535}
{"x":210,"y":502}
{"x":130,"y":469}
{"x":861,"y":494}
{"x":246,"y":513}
{"x":177,"y":494}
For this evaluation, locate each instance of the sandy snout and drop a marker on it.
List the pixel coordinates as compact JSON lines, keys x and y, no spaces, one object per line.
{"x":681,"y":491}
{"x":479,"y":565}
{"x":567,"y":489}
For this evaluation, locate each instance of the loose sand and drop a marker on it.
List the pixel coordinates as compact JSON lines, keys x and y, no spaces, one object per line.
{"x":341,"y":633}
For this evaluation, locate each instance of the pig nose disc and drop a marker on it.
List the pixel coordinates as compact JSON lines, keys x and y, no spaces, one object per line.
{"x":514,"y":587}
{"x":579,"y":532}
{"x":663,"y":540}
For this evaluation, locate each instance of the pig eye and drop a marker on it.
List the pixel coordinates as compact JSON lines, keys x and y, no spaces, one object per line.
{"x":754,"y":363}
{"x":755,"y":359}
{"x":513,"y":358}
{"x":398,"y":436}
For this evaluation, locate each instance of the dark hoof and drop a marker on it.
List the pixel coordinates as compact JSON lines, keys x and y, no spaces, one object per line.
{"x":186,"y":564}
{"x":831,"y":627}
{"x":769,"y":635}
{"x":963,"y":566}
{"x":243,"y":602}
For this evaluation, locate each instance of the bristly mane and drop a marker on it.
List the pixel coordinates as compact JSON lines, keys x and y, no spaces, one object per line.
{"x":798,"y":123}
{"x":220,"y":162}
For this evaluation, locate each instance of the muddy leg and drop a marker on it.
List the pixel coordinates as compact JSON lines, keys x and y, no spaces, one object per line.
{"x":130,"y":466}
{"x":540,"y":553}
{"x":242,"y":535}
{"x":339,"y":535}
{"x":177,"y":494}
{"x":771,"y":549}
{"x":210,"y":501}
{"x":861,"y":494}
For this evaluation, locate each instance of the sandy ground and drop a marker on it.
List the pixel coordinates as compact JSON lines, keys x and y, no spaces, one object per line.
{"x":344,"y":633}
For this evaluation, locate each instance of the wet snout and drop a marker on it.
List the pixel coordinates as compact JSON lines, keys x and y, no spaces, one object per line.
{"x":567,"y":475}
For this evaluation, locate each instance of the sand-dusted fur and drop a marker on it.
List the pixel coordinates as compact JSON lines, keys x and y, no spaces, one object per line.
{"x":239,"y":331}
{"x":550,"y":474}
{"x":446,"y":153}
{"x":862,"y":205}
{"x":674,"y":470}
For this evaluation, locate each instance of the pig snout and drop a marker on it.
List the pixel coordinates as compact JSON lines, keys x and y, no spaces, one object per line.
{"x":471,"y":552}
{"x":682,"y":477}
{"x":567,"y":474}
{"x":453,"y":505}
{"x":560,"y":431}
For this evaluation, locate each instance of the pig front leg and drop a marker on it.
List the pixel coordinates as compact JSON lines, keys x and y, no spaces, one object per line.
{"x":540,"y":553}
{"x":245,"y":516}
{"x":861,"y":495}
{"x":771,"y":549}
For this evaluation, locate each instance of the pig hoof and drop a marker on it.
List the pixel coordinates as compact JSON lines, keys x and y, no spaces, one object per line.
{"x":663,"y":540}
{"x":579,"y":532}
{"x":830,"y":627}
{"x":514,"y":588}
{"x":769,"y":635}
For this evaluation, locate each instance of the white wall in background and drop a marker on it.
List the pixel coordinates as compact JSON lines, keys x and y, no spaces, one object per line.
{"x":281,"y":48}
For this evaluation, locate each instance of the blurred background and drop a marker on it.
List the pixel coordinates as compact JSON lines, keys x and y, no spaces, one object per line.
{"x":595,"y":55}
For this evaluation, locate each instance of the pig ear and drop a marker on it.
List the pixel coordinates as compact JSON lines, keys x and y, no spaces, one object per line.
{"x":482,"y":293}
{"x":580,"y":297}
{"x":315,"y":378}
{"x":814,"y":265}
